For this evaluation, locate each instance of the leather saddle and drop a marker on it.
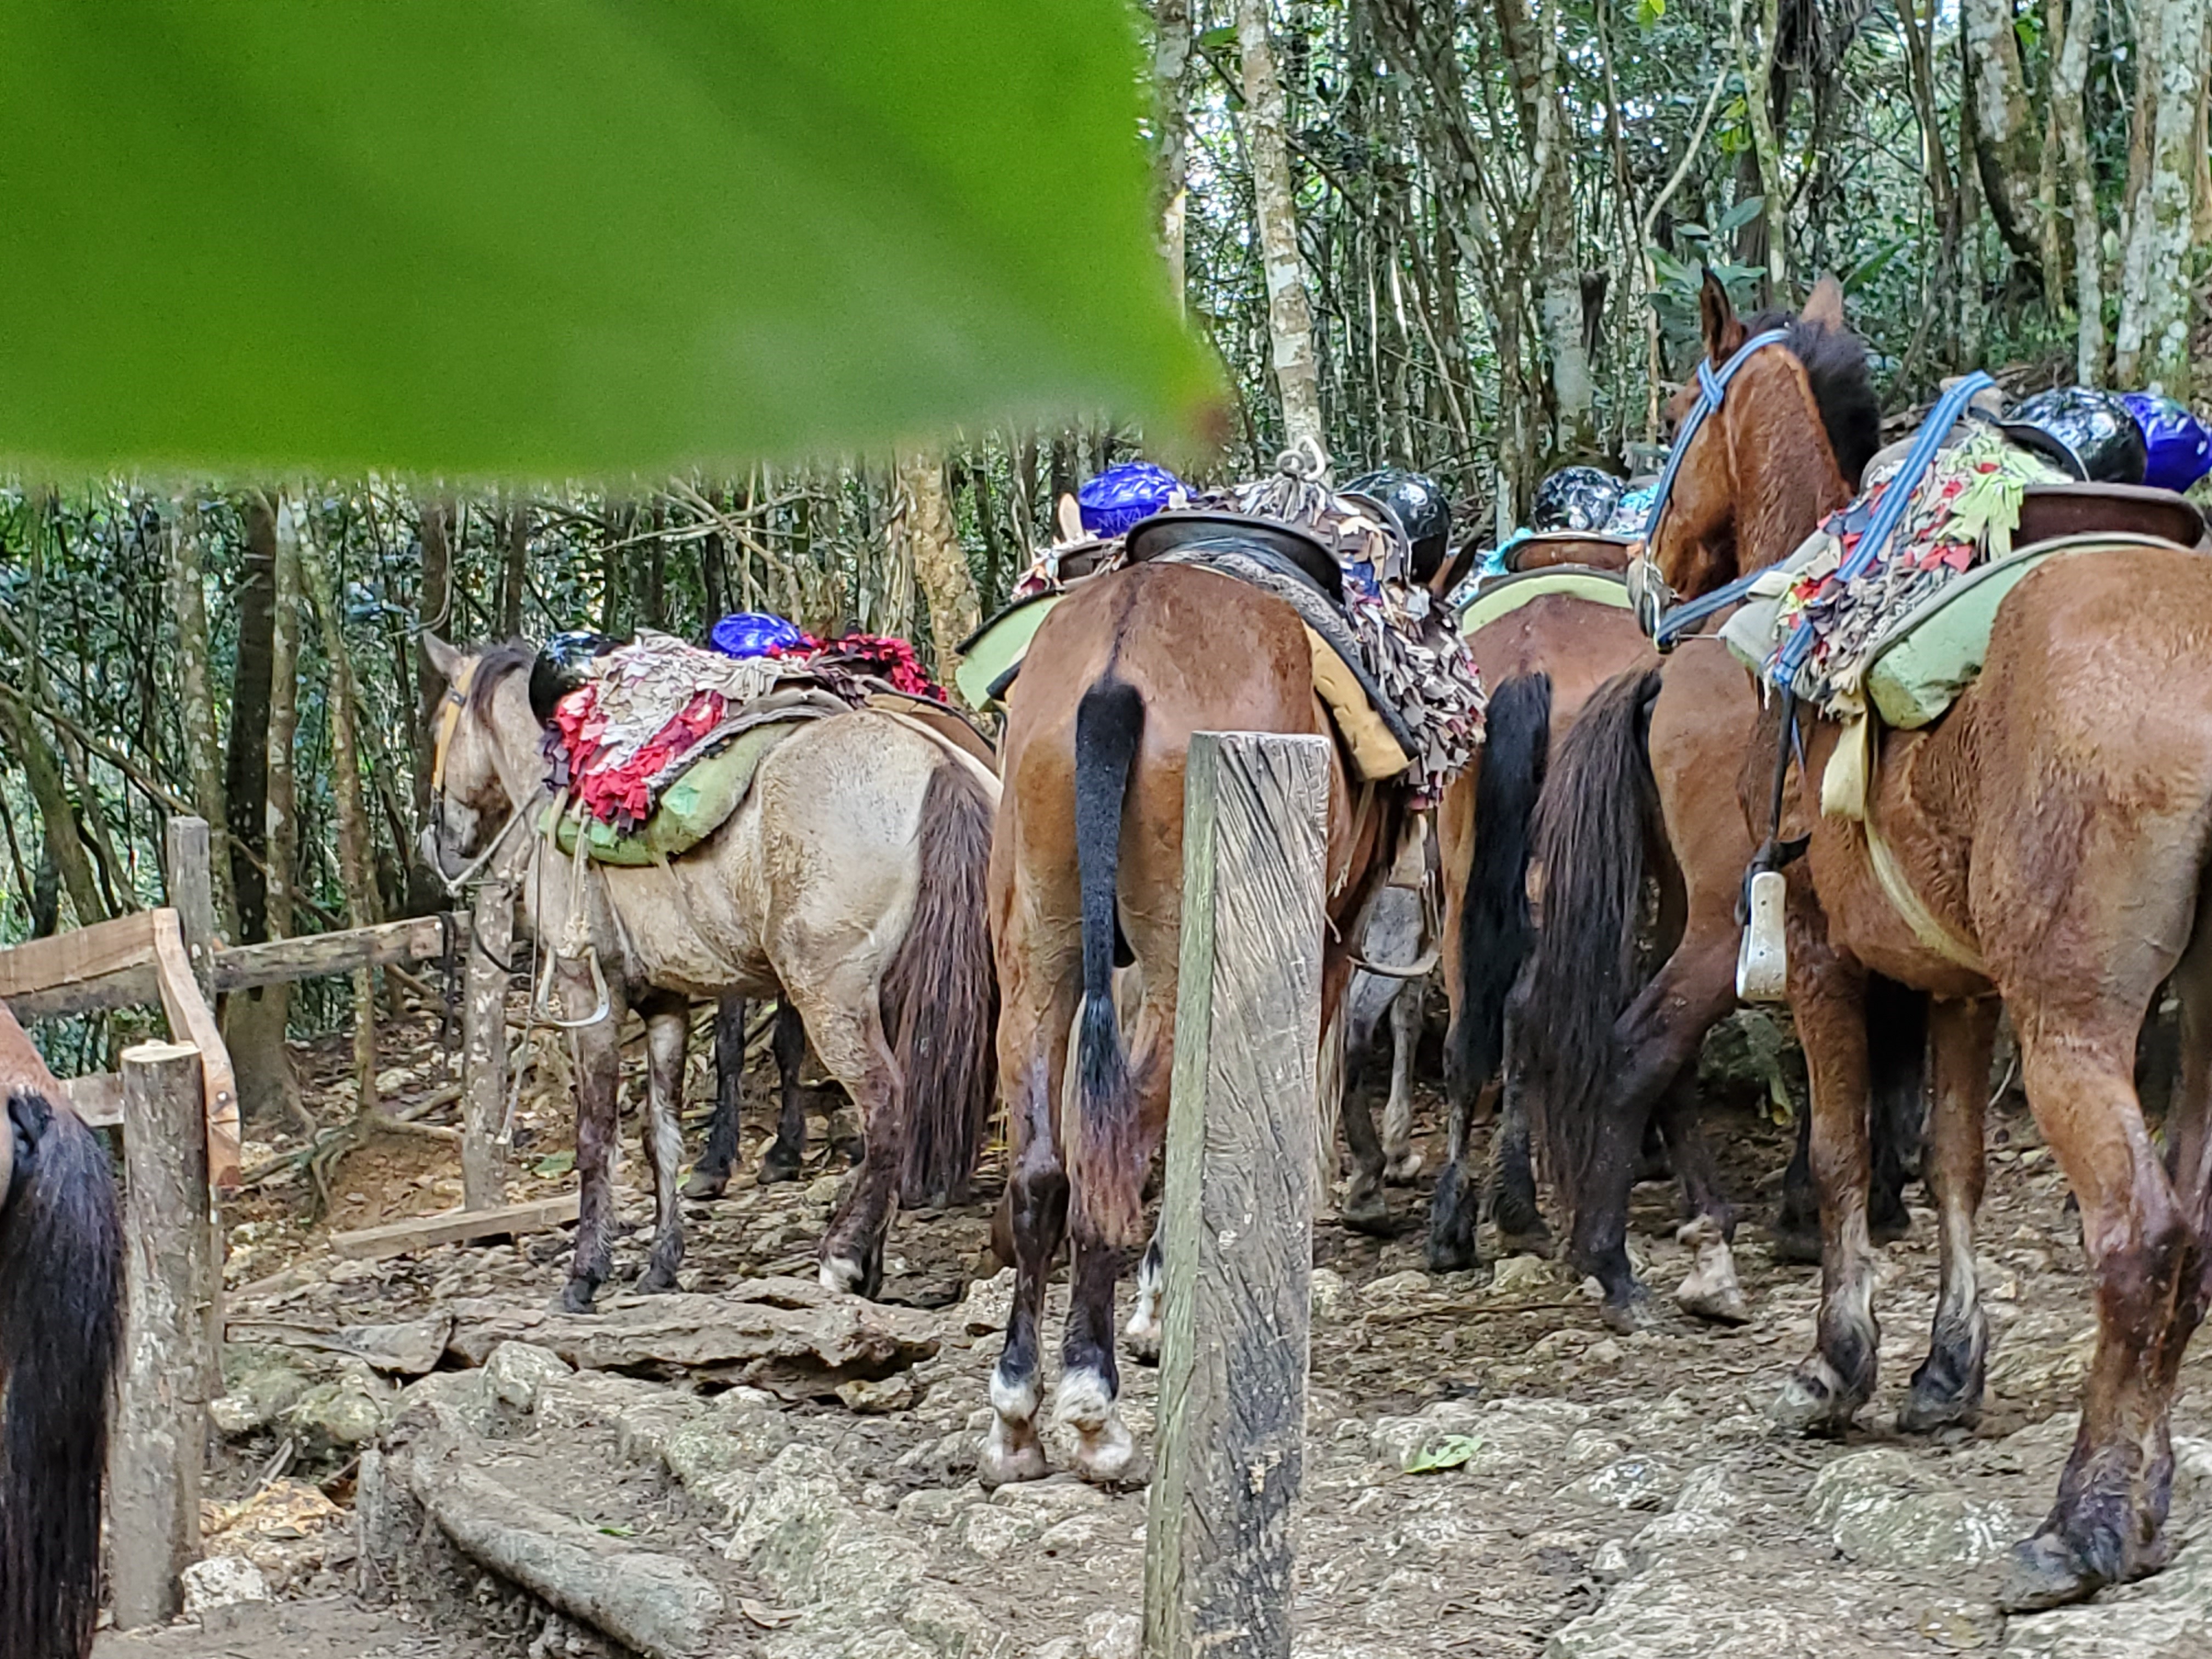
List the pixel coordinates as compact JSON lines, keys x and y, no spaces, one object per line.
{"x":2048,"y":512}
{"x":1281,"y":546}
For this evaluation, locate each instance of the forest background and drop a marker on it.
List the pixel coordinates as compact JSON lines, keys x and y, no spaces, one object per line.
{"x":1465,"y":237}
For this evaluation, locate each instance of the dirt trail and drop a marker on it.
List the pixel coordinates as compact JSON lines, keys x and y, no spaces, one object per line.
{"x":1610,"y":1496}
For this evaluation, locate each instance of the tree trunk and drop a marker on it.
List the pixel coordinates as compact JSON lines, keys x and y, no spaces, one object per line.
{"x":433,"y":614}
{"x":2051,"y":245}
{"x":1290,"y":314}
{"x":64,"y":841}
{"x":2006,"y":144}
{"x":356,"y":859}
{"x":246,"y":778}
{"x":940,"y":562}
{"x":1757,"y":61}
{"x":1171,"y":132}
{"x":514,"y":569}
{"x":2070,"y":77}
{"x":2151,"y":346}
{"x":202,"y":743}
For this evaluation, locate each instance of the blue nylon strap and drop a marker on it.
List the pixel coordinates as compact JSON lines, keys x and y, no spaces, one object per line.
{"x":1712,"y":387}
{"x":1895,"y":500}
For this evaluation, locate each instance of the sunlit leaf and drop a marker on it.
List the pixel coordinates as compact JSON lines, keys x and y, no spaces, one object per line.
{"x":1741,"y":215}
{"x":569,"y":235}
{"x":1447,"y":1453}
{"x":552,"y":1164}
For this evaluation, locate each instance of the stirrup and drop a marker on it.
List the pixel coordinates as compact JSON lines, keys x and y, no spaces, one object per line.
{"x":1762,"y":961}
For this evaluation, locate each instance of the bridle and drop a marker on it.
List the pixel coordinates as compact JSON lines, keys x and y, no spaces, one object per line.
{"x":1665,"y":619}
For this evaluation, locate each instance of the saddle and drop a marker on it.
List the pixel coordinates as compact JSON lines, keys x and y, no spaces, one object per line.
{"x":1584,"y":549}
{"x":1503,"y":595}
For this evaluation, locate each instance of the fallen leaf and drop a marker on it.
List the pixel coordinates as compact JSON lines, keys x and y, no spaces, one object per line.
{"x":766,"y":1617}
{"x":553,"y":1163}
{"x":1448,"y":1453}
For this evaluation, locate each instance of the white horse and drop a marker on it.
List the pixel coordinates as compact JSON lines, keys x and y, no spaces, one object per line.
{"x":849,"y":882}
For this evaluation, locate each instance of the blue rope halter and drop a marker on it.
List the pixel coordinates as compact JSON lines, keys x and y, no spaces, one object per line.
{"x":1665,"y":626}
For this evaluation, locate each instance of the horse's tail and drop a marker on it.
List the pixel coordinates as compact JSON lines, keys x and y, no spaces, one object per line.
{"x":1108,"y":1168}
{"x":941,"y":995}
{"x":1595,"y":824}
{"x":61,"y":1294}
{"x":1494,"y":918}
{"x":1896,"y":1086}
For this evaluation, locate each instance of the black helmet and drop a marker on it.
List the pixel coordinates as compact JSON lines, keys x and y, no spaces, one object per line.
{"x":1575,"y":498}
{"x":564,"y":662}
{"x":2088,"y":433}
{"x":1421,"y":508}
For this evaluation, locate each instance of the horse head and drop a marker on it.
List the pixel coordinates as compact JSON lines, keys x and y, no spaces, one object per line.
{"x":471,"y":802}
{"x":1786,"y":433}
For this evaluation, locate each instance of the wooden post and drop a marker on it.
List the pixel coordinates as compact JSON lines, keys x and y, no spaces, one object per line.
{"x":1238,"y":1208}
{"x":483,"y":1047}
{"x":170,"y":1333}
{"x":191,"y":896}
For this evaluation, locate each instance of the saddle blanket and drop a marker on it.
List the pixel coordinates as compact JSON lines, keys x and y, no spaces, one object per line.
{"x":1502,"y":596}
{"x":691,"y":809}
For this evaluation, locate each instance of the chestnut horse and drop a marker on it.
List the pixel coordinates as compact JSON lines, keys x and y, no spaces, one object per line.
{"x":1086,"y":865}
{"x":2052,"y":833}
{"x":1645,"y":789}
{"x":61,"y":1326}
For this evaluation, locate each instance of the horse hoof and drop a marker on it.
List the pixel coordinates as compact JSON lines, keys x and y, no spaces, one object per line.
{"x":774,"y":1171}
{"x":1722,"y":1305}
{"x":1811,"y":1402}
{"x":840,"y":1275}
{"x":1924,"y":1412}
{"x":1519,"y":1235}
{"x":1007,"y":1460}
{"x":1629,"y":1314}
{"x":578,"y":1295}
{"x":1799,"y":1247}
{"x":1451,"y":1256}
{"x":1103,"y":1458}
{"x":656,"y":1281}
{"x":1404,"y":1169}
{"x":2046,"y":1571}
{"x":1143,"y":1341}
{"x":701,"y":1185}
{"x":1367,"y":1213}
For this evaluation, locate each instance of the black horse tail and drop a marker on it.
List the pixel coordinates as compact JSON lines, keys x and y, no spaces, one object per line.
{"x":61,"y":1299}
{"x":1494,"y":931}
{"x":1109,"y":1170}
{"x":941,"y":995}
{"x":1596,"y":827}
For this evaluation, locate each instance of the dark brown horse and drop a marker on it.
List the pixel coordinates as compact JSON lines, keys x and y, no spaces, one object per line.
{"x":61,"y":1298}
{"x":2045,"y":843}
{"x":1642,"y":797}
{"x":1086,"y":864}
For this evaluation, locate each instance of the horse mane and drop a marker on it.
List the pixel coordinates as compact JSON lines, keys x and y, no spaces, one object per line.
{"x":1835,"y":362}
{"x":494,"y":663}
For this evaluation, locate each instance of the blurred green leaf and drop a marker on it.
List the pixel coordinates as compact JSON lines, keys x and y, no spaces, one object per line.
{"x":553,"y":1163}
{"x":1741,"y":215}
{"x":570,"y":236}
{"x":1448,"y":1453}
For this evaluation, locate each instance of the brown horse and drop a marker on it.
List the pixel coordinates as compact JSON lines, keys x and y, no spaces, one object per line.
{"x":849,"y":881}
{"x":61,"y":1322}
{"x":1643,"y":791}
{"x":2047,"y":842}
{"x":1086,"y":865}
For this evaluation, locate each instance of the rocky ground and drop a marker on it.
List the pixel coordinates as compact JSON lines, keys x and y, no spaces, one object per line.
{"x":747,"y":1468}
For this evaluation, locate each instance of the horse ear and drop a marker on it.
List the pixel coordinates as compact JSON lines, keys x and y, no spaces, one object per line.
{"x":1825,"y":304}
{"x":1717,"y":319}
{"x":443,"y":658}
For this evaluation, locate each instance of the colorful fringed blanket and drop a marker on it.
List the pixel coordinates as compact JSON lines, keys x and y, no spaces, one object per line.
{"x":1962,"y":514}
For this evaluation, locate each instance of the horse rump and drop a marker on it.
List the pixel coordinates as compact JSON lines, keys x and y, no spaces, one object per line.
{"x":1493,"y":921}
{"x":61,"y":1290}
{"x":1595,"y":823}
{"x":941,"y":996}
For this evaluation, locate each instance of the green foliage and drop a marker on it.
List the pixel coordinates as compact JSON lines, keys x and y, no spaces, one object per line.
{"x":568,"y":236}
{"x":1449,"y":1452}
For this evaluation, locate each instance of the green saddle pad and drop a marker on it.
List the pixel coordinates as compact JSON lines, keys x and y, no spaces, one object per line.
{"x":997,"y":645}
{"x":691,"y":809}
{"x":1917,"y":669}
{"x":1510,"y":594}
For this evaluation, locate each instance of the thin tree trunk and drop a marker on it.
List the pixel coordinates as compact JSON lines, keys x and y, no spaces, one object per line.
{"x":940,"y":562}
{"x":514,"y":570}
{"x":1171,"y":132}
{"x":1532,"y":44}
{"x":2068,"y":83}
{"x":1290,"y":313}
{"x":356,"y":859}
{"x":433,"y":615}
{"x":64,"y":841}
{"x":1757,"y":62}
{"x":2151,"y":346}
{"x":202,"y":743}
{"x":2051,"y":248}
{"x":246,"y":778}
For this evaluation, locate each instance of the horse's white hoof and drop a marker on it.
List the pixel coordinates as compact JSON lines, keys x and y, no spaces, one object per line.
{"x":1711,"y":1290}
{"x":1404,"y":1169}
{"x":1142,"y":1337}
{"x":1105,"y":1456}
{"x":839,"y":1276}
{"x":1083,"y":1401}
{"x":1010,"y":1455}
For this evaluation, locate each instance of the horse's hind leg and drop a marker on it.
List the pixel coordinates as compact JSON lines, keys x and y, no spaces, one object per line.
{"x":597,"y":1062}
{"x":710,"y":1176}
{"x":667,"y":1030}
{"x":1365,"y":1210}
{"x":1947,"y":1390}
{"x":1711,"y":1290}
{"x":1143,"y":1330}
{"x":1511,"y":1177}
{"x":786,"y":1154}
{"x":1401,"y":1158}
{"x":843,"y":1017}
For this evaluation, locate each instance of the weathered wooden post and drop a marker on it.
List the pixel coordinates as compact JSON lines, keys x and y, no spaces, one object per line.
{"x":483,"y":1045}
{"x":170,"y":1285}
{"x":191,"y":881}
{"x":1241,"y":1171}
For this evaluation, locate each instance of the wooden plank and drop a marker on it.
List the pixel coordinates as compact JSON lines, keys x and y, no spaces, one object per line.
{"x":82,"y":957}
{"x":126,"y":987}
{"x":1238,"y":1211}
{"x":97,"y":1099}
{"x":171,"y":1333}
{"x":314,"y":955}
{"x":192,"y":1021}
{"x":455,"y":1227}
{"x":483,"y":1045}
